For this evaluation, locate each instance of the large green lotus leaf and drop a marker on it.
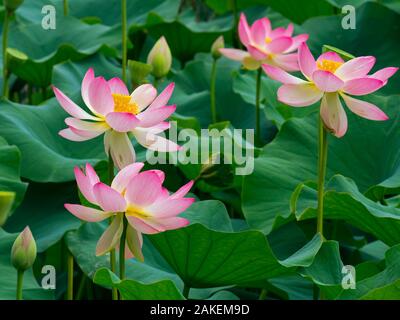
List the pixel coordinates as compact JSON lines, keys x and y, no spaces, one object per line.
{"x":45,"y":48}
{"x":374,"y":250}
{"x":8,"y":275}
{"x":292,"y":287}
{"x":326,"y":269}
{"x":192,"y":95}
{"x":139,"y":13}
{"x":323,"y":270}
{"x":300,"y":10}
{"x":134,"y":290}
{"x":82,"y":244}
{"x":43,"y":210}
{"x":224,"y":6}
{"x":186,"y":36}
{"x":208,"y":253}
{"x":41,"y":44}
{"x":374,"y":21}
{"x":10,"y":161}
{"x":260,"y":261}
{"x":223,"y":295}
{"x":344,"y":201}
{"x":326,"y":266}
{"x":288,"y":8}
{"x":392,"y":4}
{"x":365,"y":154}
{"x":159,"y":290}
{"x":68,"y":76}
{"x":46,"y":157}
{"x":372,"y":283}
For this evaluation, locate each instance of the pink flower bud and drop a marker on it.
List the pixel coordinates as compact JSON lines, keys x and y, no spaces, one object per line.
{"x":23,"y":252}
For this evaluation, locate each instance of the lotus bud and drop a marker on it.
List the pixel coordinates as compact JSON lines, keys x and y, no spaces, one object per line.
{"x":6,"y":201}
{"x":218,"y":44}
{"x":23,"y":252}
{"x":138,"y":71}
{"x":160,"y":58}
{"x":12,"y":5}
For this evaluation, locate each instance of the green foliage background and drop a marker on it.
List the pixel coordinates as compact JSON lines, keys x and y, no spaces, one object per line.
{"x":248,"y":234}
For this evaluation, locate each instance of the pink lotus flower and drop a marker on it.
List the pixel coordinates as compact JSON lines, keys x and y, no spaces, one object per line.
{"x":140,"y":197}
{"x":266,"y":46}
{"x":116,"y":113}
{"x":329,"y":78}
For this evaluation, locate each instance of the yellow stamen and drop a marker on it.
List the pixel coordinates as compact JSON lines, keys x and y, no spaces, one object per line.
{"x":137,"y":212}
{"x":123,"y":103}
{"x":268,"y":40}
{"x":328,"y":65}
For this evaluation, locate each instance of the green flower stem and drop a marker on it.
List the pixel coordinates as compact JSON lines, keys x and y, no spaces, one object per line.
{"x":113,"y":260}
{"x":212,"y":91}
{"x":6,"y":23}
{"x":186,"y":291}
{"x":236,"y":22}
{"x":20,"y":281}
{"x":70,"y":271}
{"x":258,"y":120}
{"x":65,"y":7}
{"x":122,"y":250}
{"x":113,"y":267}
{"x":157,"y":82}
{"x":263,"y":294}
{"x":322,"y":160}
{"x":82,"y":285}
{"x":124,"y":39}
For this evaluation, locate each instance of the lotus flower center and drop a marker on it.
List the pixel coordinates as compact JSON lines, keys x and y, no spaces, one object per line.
{"x":268,"y":40}
{"x":136,"y":212}
{"x":123,"y":103}
{"x":328,"y":65}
